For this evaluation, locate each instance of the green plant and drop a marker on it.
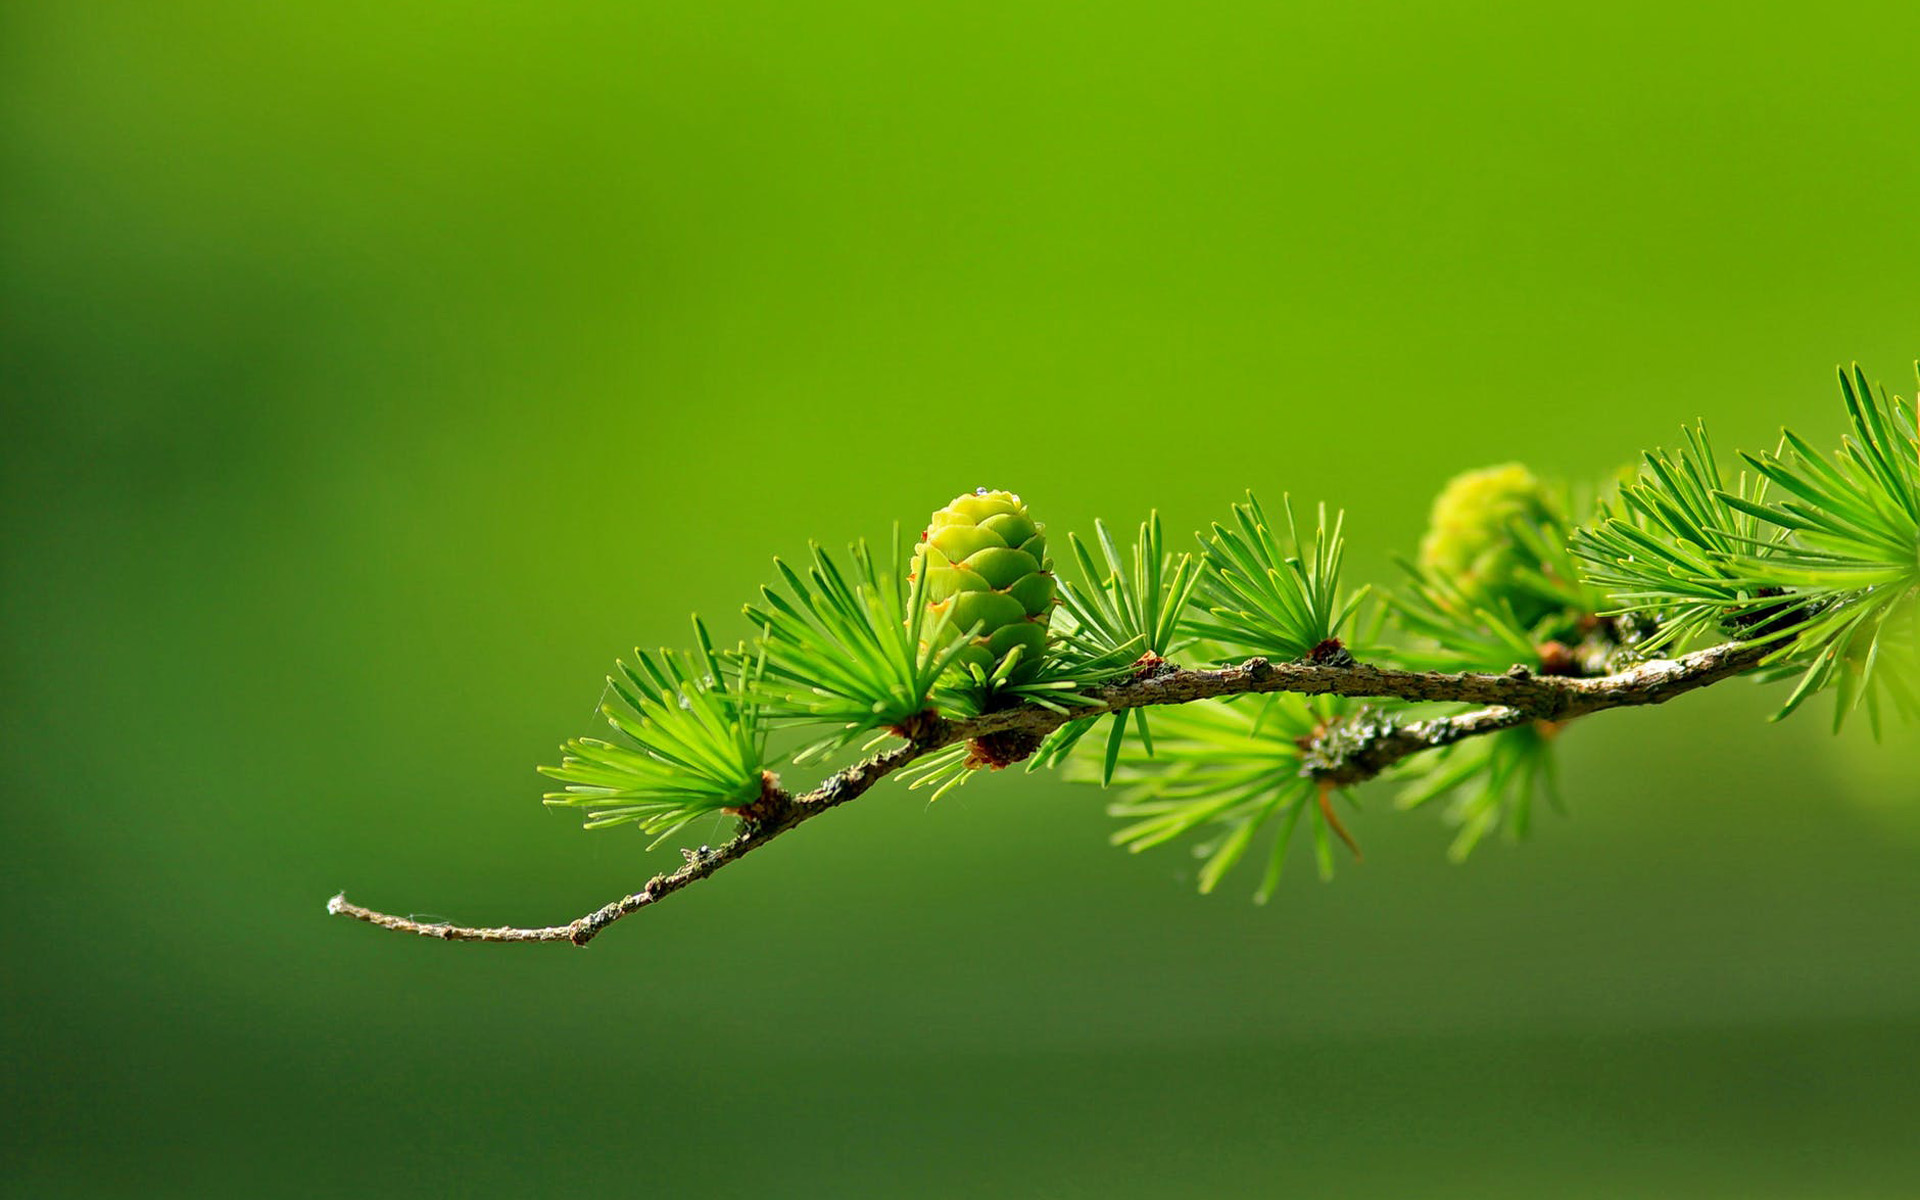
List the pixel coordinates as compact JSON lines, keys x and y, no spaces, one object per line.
{"x":696,"y":737}
{"x":1121,"y":610}
{"x":1232,"y":768}
{"x":848,"y":652}
{"x":1525,"y":611}
{"x":1815,"y":557}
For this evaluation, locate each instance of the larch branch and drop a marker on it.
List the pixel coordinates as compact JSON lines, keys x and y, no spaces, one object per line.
{"x":1341,"y":757}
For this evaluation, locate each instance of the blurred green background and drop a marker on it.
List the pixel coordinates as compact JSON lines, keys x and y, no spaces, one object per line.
{"x":374,"y":373}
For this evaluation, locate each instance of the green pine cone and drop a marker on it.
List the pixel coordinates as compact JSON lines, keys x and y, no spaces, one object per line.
{"x":986,"y":564}
{"x":1468,"y":540}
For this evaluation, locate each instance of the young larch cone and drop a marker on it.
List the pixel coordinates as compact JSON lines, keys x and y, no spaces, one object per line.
{"x":986,"y":564}
{"x":1469,"y":539}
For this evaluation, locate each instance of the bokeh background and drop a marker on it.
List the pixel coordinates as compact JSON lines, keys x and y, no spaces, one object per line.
{"x":374,"y":373}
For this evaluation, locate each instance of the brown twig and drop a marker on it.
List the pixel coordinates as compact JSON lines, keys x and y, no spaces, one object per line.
{"x":1342,"y":756}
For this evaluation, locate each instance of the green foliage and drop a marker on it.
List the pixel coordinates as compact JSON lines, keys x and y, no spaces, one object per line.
{"x":1070,"y":666}
{"x":1228,"y":771}
{"x":1493,"y":782}
{"x":1131,"y":601}
{"x":1851,"y":551}
{"x":1131,"y":609}
{"x":1268,"y":597}
{"x":694,"y":743}
{"x":854,"y":648}
{"x":1678,"y":545}
{"x":1819,"y":558}
{"x":942,"y":770}
{"x":1454,"y":630}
